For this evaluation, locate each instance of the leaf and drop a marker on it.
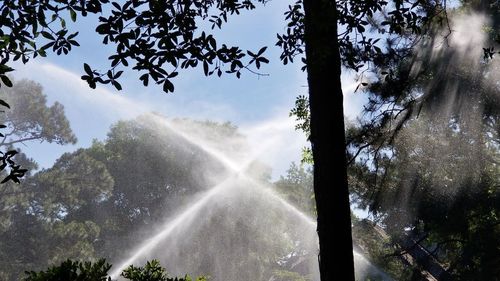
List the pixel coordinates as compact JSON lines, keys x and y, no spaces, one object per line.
{"x":5,"y":68}
{"x":6,"y":179}
{"x":261,"y":51}
{"x":145,"y":79}
{"x":47,"y":35}
{"x":118,"y":74}
{"x":71,"y":36}
{"x":15,"y":179}
{"x":6,"y":81}
{"x":205,"y":68}
{"x":117,"y":85}
{"x":251,"y":54}
{"x":42,"y":52}
{"x":263,"y":60}
{"x":73,"y":15}
{"x":4,"y":103}
{"x":87,"y":69}
{"x":168,"y":86}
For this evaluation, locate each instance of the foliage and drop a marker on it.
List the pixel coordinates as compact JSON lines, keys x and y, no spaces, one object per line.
{"x":15,"y":172}
{"x":96,"y":201}
{"x":428,"y":160}
{"x":412,"y":174}
{"x":30,"y":118}
{"x":159,"y":37}
{"x":378,"y":249}
{"x":453,"y":205}
{"x":70,"y":270}
{"x":297,"y":188}
{"x":367,"y":42}
{"x":152,"y":271}
{"x":153,"y":170}
{"x":6,"y":158}
{"x":283,"y":275}
{"x":362,"y":23}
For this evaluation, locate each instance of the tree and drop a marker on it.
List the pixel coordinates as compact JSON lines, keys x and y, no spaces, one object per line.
{"x":435,"y":180}
{"x":297,"y":187}
{"x":166,"y":169}
{"x":160,"y":36}
{"x":87,"y":206}
{"x":30,"y":118}
{"x":40,"y":227}
{"x":439,"y":187}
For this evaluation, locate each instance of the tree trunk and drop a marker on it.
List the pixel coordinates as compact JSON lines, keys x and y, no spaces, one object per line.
{"x":328,"y":141}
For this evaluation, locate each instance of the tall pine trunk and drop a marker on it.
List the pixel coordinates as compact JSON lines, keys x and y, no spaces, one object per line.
{"x":328,"y":141}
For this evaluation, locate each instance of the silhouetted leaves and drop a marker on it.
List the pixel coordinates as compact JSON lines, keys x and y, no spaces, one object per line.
{"x":152,"y":37}
{"x":15,"y":171}
{"x":72,"y":270}
{"x":153,"y":271}
{"x":360,"y":32}
{"x":488,"y":53}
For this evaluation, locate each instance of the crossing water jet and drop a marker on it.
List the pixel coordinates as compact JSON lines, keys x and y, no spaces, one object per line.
{"x":235,"y":168}
{"x":236,"y":173}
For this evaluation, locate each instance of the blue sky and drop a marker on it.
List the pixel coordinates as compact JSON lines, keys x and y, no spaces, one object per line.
{"x":252,"y":102}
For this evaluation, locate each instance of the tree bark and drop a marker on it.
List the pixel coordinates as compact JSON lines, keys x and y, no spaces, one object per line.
{"x":328,"y":141}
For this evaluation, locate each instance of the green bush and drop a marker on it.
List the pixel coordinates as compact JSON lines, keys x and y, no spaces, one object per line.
{"x":87,"y":271}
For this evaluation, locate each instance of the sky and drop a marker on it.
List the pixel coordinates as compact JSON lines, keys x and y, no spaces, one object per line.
{"x":258,"y":105}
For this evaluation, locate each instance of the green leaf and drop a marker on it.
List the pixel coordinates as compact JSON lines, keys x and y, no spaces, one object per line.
{"x":72,"y":14}
{"x":6,"y":81}
{"x":47,"y":35}
{"x":42,"y":52}
{"x":4,"y":69}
